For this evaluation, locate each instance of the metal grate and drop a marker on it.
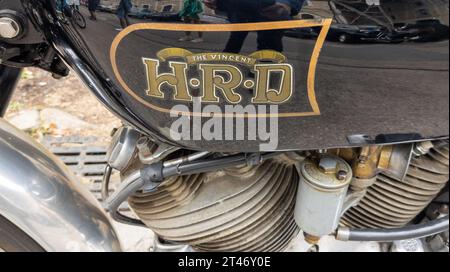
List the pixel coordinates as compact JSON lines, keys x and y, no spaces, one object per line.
{"x":85,"y":159}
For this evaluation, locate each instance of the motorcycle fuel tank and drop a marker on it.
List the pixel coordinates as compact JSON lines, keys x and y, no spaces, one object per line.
{"x":329,"y":74}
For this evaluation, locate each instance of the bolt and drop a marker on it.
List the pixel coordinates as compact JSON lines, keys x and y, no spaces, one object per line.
{"x":142,"y":143}
{"x":328,"y":165}
{"x":342,"y":175}
{"x":443,"y":209}
{"x":145,"y":147}
{"x":9,"y":28}
{"x":363,"y":159}
{"x":422,"y":148}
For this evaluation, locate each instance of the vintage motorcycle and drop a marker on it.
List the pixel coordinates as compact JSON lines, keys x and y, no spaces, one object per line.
{"x":243,"y":137}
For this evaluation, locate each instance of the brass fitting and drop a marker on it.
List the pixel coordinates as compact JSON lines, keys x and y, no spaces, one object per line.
{"x":367,"y":161}
{"x":311,"y":239}
{"x":371,"y":160}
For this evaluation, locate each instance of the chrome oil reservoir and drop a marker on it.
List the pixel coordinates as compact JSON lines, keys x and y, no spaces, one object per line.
{"x":321,"y":194}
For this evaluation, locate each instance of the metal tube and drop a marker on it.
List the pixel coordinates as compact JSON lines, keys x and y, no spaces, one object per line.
{"x":212,"y":165}
{"x":8,"y":80}
{"x":203,"y":166}
{"x":388,"y":235}
{"x":186,"y":159}
{"x":129,"y":186}
{"x":105,"y":182}
{"x":96,"y":86}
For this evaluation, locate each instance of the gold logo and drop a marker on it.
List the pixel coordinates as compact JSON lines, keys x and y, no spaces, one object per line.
{"x":170,"y":75}
{"x":213,"y":73}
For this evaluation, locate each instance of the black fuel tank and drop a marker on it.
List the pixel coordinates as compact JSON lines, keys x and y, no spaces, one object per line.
{"x":325,"y":73}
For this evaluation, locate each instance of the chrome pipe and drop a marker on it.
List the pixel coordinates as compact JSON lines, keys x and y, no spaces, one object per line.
{"x":185,"y":159}
{"x":388,"y":235}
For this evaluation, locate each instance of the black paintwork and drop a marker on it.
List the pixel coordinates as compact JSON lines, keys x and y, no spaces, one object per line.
{"x":8,"y":80}
{"x":389,"y":92}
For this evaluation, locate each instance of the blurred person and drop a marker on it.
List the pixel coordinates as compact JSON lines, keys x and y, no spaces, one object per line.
{"x":74,"y":3}
{"x":190,"y":14}
{"x":60,"y":4}
{"x":253,"y":11}
{"x":92,"y":6}
{"x":123,"y":10}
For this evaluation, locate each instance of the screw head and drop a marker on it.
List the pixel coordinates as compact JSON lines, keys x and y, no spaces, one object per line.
{"x":9,"y":28}
{"x":342,"y":175}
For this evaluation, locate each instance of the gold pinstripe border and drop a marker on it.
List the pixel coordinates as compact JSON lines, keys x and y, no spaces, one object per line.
{"x":325,"y":24}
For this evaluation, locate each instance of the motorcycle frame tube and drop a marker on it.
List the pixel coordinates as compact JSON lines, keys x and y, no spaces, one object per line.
{"x":89,"y":76}
{"x":40,"y":195}
{"x":96,"y":86}
{"x":9,"y":77}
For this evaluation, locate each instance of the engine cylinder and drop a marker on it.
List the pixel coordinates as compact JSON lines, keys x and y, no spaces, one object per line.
{"x":390,"y":203}
{"x":241,"y":209}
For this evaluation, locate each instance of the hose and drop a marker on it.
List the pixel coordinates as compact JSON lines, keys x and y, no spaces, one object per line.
{"x":387,"y":235}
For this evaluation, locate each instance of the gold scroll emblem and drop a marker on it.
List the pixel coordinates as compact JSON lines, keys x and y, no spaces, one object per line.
{"x":210,"y":65}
